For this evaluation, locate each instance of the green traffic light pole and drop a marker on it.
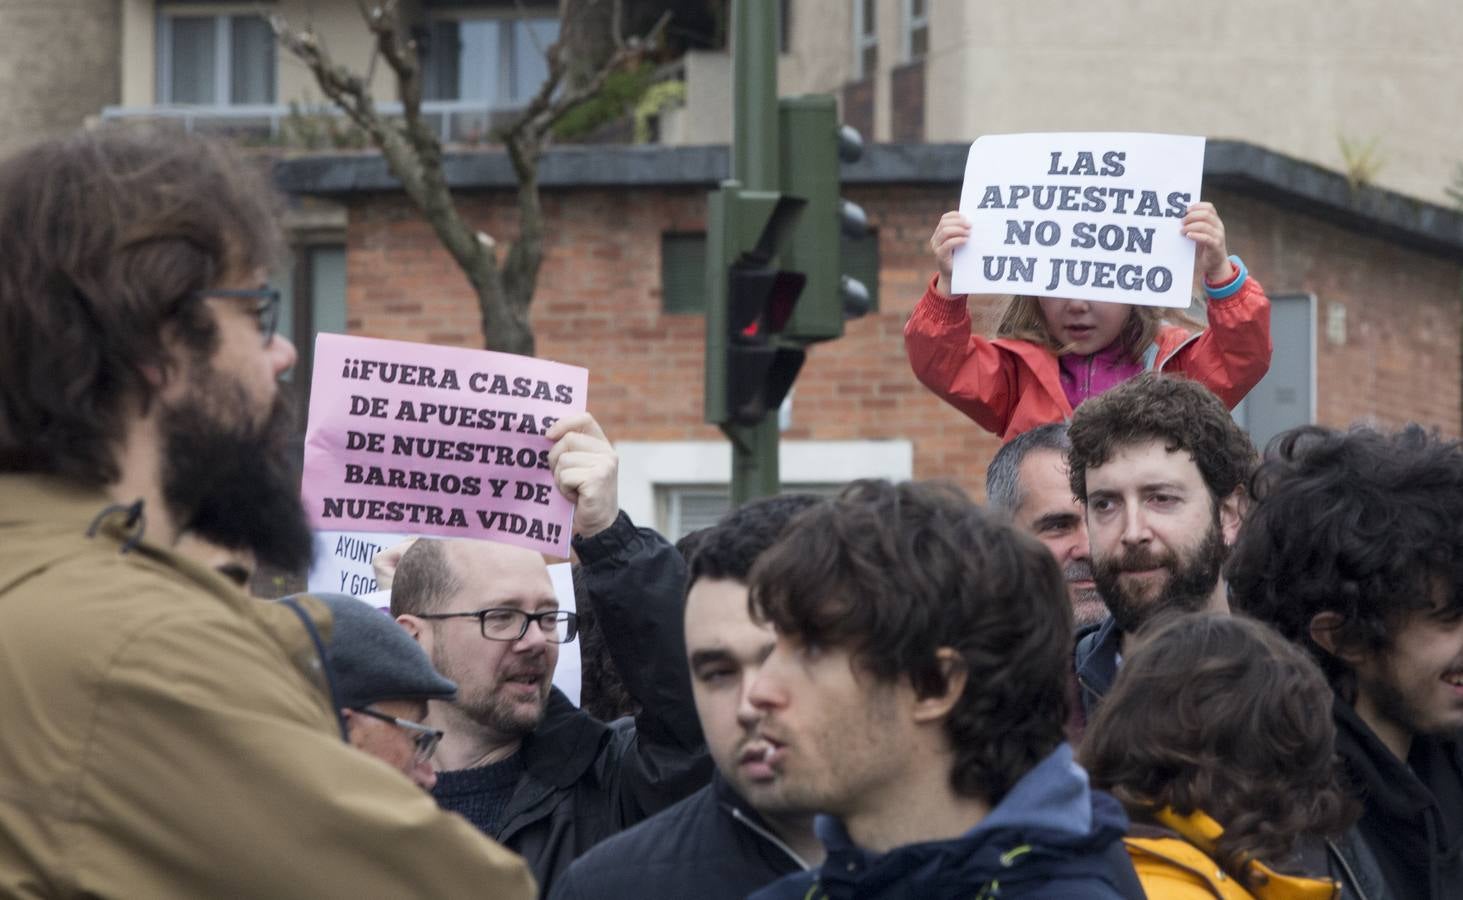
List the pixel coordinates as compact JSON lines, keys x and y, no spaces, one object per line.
{"x":754,"y":165}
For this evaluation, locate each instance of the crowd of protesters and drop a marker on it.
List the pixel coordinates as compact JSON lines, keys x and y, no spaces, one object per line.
{"x":1157,"y":664}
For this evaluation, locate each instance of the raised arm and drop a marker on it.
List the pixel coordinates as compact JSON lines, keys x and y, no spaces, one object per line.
{"x":636,"y":581}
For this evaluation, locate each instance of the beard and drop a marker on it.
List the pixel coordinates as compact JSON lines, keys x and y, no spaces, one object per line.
{"x":486,"y":704}
{"x":230,"y":481}
{"x":1190,"y":583}
{"x":1087,"y":605}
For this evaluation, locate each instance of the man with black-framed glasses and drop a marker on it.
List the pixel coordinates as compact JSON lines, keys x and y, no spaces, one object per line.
{"x":519,"y":761}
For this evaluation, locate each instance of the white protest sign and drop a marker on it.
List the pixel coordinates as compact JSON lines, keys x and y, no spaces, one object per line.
{"x":343,"y":561}
{"x":568,"y":674}
{"x":1080,"y":216}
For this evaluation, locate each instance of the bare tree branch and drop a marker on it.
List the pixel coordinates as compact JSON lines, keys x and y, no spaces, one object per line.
{"x":414,"y":154}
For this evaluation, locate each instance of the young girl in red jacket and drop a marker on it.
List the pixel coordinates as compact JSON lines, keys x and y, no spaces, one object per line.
{"x":1049,"y":354}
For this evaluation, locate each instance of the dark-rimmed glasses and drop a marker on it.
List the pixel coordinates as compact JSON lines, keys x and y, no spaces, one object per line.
{"x":266,"y":308}
{"x":424,"y":737}
{"x":559,"y":626}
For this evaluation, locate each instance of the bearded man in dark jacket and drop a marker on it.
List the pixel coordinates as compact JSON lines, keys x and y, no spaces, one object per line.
{"x":519,"y":761}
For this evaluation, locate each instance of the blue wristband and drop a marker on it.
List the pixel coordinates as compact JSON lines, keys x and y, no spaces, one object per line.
{"x":1229,"y":290}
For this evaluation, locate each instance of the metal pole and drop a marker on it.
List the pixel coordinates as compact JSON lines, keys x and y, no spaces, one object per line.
{"x":754,"y":164}
{"x":754,"y":107}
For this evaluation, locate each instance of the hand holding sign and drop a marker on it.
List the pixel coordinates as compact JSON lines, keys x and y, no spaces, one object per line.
{"x":952,"y":232}
{"x":586,"y":470}
{"x":1203,"y":226}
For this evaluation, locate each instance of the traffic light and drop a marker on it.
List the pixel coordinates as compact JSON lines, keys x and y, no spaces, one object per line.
{"x":811,"y":144}
{"x":750,"y":301}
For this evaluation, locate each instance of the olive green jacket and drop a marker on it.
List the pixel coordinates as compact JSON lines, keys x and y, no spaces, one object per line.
{"x":163,"y":735}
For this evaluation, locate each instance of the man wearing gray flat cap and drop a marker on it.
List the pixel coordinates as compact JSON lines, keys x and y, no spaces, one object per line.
{"x":382,"y":681}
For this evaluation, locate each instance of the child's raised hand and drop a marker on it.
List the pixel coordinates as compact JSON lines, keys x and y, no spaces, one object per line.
{"x":953,"y":230}
{"x":1203,"y":226}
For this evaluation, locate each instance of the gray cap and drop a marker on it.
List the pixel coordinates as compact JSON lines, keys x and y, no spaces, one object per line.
{"x":372,"y":658}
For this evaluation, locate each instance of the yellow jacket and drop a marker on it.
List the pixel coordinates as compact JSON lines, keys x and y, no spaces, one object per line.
{"x":163,"y":735}
{"x":1171,"y":868}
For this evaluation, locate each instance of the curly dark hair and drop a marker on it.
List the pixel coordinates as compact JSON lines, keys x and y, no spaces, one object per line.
{"x":1359,"y":523}
{"x":728,"y":549}
{"x":893,"y":573}
{"x":104,"y":236}
{"x":1219,"y":714}
{"x":1183,"y":414}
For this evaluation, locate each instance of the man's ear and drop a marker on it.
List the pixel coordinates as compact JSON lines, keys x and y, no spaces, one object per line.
{"x":934,"y":707}
{"x":415,"y":627}
{"x":1325,"y":630}
{"x":1232,"y":510}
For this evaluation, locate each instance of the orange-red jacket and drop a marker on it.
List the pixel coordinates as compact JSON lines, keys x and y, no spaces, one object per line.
{"x":1011,"y":386}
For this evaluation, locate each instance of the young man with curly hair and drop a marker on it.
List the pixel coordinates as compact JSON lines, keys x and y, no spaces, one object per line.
{"x":1160,"y":465}
{"x":916,"y":695}
{"x":1354,"y":550}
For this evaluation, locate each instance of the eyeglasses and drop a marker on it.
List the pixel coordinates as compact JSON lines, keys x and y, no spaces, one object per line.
{"x":507,"y":624}
{"x":266,"y":308}
{"x":424,"y":737}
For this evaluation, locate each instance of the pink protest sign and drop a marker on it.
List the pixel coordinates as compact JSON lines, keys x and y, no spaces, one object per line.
{"x":446,"y":441}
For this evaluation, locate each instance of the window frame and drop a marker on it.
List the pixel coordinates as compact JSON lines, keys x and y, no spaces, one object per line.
{"x":223,"y":51}
{"x":304,"y":300}
{"x":507,"y":50}
{"x":865,"y":38}
{"x":912,"y":23}
{"x":649,"y":469}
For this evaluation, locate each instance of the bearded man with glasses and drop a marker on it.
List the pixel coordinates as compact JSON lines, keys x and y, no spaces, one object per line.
{"x":166,"y":735}
{"x":519,"y":761}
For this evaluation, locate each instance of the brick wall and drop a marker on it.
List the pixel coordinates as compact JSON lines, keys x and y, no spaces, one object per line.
{"x":599,"y":306}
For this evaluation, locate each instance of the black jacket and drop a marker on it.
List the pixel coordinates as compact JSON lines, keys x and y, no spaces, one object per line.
{"x":1096,"y":660}
{"x":710,"y":846}
{"x":584,"y":779}
{"x":1412,"y":817}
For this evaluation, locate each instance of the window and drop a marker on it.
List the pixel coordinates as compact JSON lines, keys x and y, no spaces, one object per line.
{"x":500,"y":62}
{"x":312,"y":301}
{"x":225,"y":60}
{"x":916,"y":29}
{"x":683,"y":269}
{"x":680,"y":486}
{"x":865,"y":39}
{"x":686,"y":509}
{"x":683,"y":273}
{"x":784,"y":26}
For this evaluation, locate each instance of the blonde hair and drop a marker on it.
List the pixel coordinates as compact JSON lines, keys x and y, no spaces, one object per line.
{"x":1023,"y":321}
